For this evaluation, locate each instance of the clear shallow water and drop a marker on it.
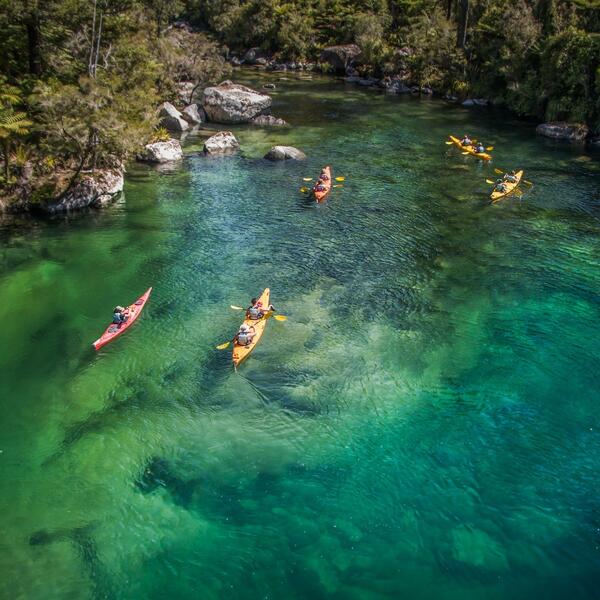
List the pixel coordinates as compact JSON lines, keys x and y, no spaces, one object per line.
{"x":424,"y":425}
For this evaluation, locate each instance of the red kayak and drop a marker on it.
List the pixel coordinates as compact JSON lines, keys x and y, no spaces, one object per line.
{"x":133,"y":311}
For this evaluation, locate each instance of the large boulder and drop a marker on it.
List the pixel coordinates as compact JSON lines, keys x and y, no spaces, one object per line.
{"x":268,"y":121}
{"x":223,"y":142}
{"x":285,"y":153}
{"x":162,"y":152}
{"x":194,"y":114}
{"x":340,"y":57}
{"x":574,"y":132}
{"x":230,"y":102}
{"x":254,"y":56}
{"x":186,"y":90}
{"x":171,"y":119}
{"x":94,"y":189}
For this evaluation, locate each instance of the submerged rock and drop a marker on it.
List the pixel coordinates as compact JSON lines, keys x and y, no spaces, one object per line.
{"x":162,"y":152}
{"x":171,"y":119}
{"x":559,"y":130}
{"x":475,"y":102}
{"x":340,"y":57}
{"x":268,"y":120}
{"x":285,"y":153}
{"x":230,"y":102}
{"x":223,"y":142}
{"x":94,"y":189}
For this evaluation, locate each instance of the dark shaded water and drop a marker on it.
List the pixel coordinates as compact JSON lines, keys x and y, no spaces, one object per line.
{"x":424,"y":425}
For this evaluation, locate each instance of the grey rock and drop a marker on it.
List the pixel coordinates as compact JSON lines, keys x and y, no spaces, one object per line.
{"x":185,"y":91}
{"x":254,"y":56}
{"x":475,"y":102}
{"x":235,"y":61}
{"x":269,"y":86}
{"x":94,"y":189}
{"x":340,"y":57}
{"x":595,"y":142}
{"x":223,"y":142}
{"x":194,"y":114}
{"x":230,"y":102}
{"x":560,"y":130}
{"x":162,"y":152}
{"x":268,"y":120}
{"x":171,"y":119}
{"x":285,"y":153}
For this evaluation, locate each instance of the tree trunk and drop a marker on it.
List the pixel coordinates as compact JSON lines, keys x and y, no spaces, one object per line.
{"x":463,"y":19}
{"x":34,"y":41}
{"x":449,"y":8}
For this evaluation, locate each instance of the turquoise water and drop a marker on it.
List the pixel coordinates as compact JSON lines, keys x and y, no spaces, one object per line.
{"x":424,"y":425}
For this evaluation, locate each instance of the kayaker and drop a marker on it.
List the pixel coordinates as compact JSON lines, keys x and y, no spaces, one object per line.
{"x":256,"y":310}
{"x":323,"y":176}
{"x":320,"y":187}
{"x":119,"y":315}
{"x":480,"y":148}
{"x":510,"y":177}
{"x":245,"y":335}
{"x":500,"y":186}
{"x":466,"y":140}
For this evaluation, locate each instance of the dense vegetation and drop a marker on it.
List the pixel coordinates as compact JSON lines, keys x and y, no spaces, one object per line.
{"x":80,"y":79}
{"x":538,"y":57}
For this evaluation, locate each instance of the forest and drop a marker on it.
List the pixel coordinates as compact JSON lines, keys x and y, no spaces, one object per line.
{"x":80,"y":80}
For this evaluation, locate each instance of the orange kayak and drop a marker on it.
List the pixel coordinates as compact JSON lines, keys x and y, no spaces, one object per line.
{"x":133,"y":311}
{"x":241,"y":353}
{"x":321,"y":195}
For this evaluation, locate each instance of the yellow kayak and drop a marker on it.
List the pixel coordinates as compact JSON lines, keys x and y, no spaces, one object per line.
{"x":470,"y":150}
{"x":240,"y":353}
{"x":510,"y":188}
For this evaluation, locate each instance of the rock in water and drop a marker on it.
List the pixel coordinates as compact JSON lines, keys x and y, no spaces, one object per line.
{"x":171,"y":118}
{"x":162,"y":152}
{"x":230,"y":102}
{"x":193,"y":114}
{"x":340,"y":57}
{"x":268,"y":120}
{"x":92,"y":190}
{"x":285,"y":153}
{"x":574,"y":132}
{"x":223,"y":142}
{"x":254,"y":56}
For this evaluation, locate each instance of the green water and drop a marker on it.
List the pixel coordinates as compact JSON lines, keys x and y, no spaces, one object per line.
{"x":424,"y":425}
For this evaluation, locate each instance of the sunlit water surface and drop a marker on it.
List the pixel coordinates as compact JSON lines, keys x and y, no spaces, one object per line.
{"x":424,"y":425}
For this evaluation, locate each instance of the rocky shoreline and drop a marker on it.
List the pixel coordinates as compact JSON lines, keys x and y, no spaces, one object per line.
{"x":232,"y":103}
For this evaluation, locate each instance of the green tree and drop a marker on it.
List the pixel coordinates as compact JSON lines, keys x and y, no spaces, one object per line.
{"x":13,"y":123}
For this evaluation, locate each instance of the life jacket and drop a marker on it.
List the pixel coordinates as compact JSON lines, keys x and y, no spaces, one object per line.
{"x":243,"y":338}
{"x":254,"y":313}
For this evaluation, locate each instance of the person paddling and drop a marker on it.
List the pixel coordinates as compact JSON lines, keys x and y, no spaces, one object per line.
{"x":245,"y":335}
{"x":466,"y":140}
{"x":119,"y":315}
{"x":257,"y":311}
{"x":510,"y":177}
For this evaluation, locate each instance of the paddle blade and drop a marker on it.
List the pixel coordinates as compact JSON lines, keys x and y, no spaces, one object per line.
{"x":448,"y":143}
{"x":465,"y":153}
{"x":499,"y":171}
{"x":223,"y":346}
{"x":280,"y":317}
{"x":338,"y":185}
{"x":304,"y":190}
{"x":527,"y":182}
{"x":490,"y":181}
{"x":235,"y":307}
{"x":307,"y":179}
{"x":340,"y":179}
{"x":490,"y":148}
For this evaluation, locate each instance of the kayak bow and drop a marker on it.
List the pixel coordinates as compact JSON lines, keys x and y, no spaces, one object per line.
{"x":113,"y":330}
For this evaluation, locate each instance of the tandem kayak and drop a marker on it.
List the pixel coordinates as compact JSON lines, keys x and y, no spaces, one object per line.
{"x":241,"y":353}
{"x":510,"y":188}
{"x":133,"y":311}
{"x":470,"y":150}
{"x":321,"y":195}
